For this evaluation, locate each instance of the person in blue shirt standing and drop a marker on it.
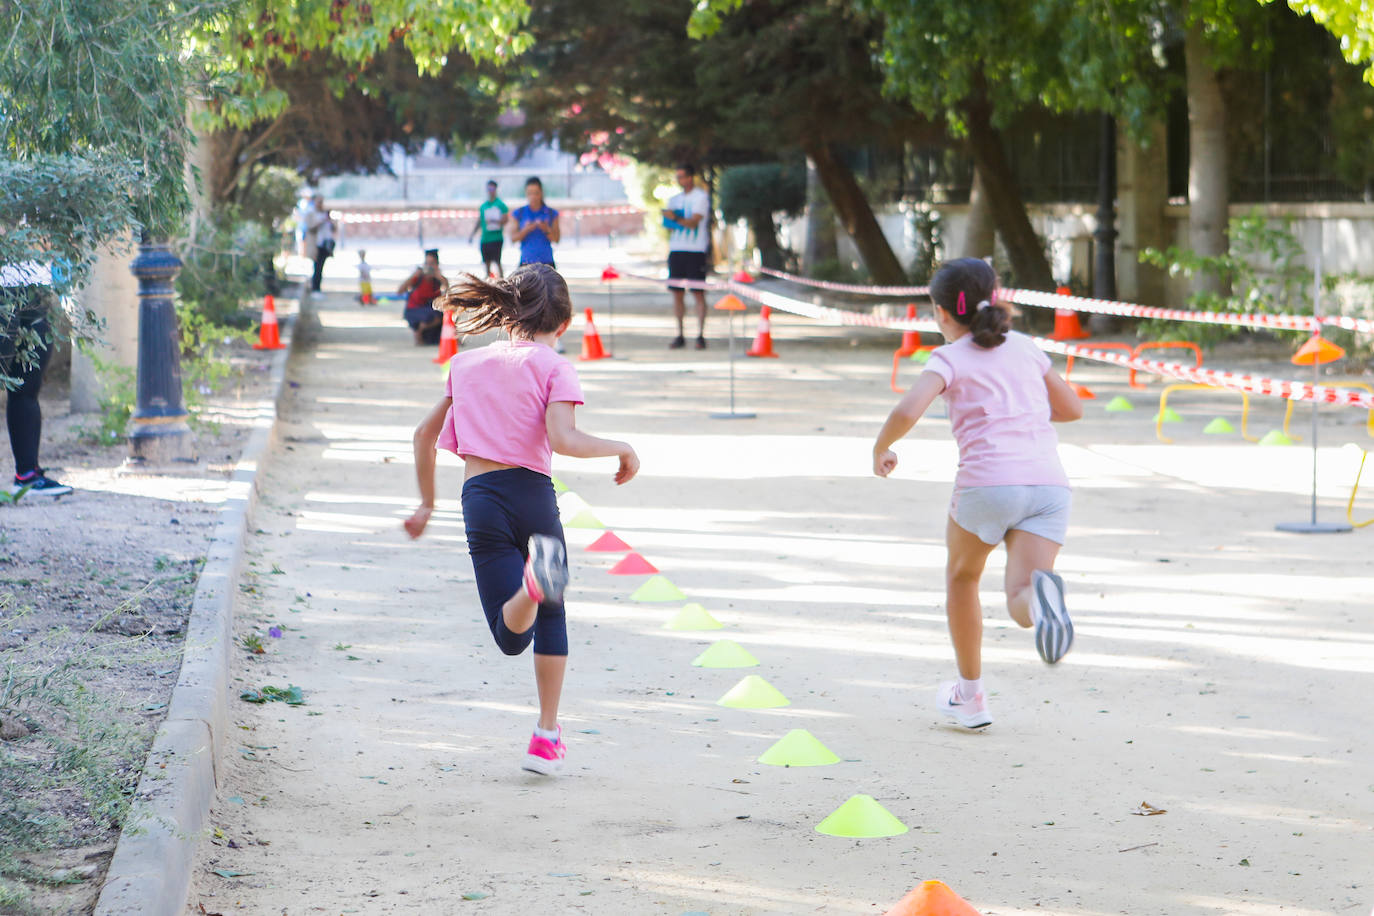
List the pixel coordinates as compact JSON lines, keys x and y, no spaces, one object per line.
{"x":536,"y":226}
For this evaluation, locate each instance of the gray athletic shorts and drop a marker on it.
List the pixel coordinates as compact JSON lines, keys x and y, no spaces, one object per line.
{"x":990,"y":512}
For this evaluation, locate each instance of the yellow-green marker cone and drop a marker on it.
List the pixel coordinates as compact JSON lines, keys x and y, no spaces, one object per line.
{"x":753,"y":692}
{"x":921,"y":356}
{"x":570,"y":503}
{"x":725,"y":653}
{"x":693,"y":617}
{"x":583,"y":519}
{"x":1169,"y":416}
{"x":798,"y":748}
{"x":658,"y":589}
{"x":558,"y":485}
{"x":1219,"y":427}
{"x":1117,"y":404}
{"x":861,"y":816}
{"x":1275,"y":437}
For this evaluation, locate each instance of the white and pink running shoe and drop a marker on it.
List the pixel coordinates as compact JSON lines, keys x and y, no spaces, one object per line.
{"x":546,"y":757}
{"x":968,"y":713}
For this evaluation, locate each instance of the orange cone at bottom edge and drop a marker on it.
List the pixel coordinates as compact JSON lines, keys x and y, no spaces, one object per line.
{"x":448,"y":340}
{"x":763,"y":343}
{"x":932,"y":898}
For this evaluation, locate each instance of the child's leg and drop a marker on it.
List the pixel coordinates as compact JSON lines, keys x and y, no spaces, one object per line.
{"x":1026,"y":553}
{"x":963,"y":570}
{"x":548,"y":679}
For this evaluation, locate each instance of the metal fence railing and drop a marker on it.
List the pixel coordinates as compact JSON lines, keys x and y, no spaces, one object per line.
{"x":469,"y":184}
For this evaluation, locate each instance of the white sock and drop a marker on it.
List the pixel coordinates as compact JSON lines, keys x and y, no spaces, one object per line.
{"x":970,"y":689}
{"x":549,"y":733}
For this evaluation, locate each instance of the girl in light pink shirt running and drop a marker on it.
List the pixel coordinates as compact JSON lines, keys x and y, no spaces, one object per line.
{"x":1002,"y":396}
{"x":507,"y":407}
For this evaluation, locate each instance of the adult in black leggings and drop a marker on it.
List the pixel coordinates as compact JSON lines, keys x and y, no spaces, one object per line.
{"x":23,"y":416}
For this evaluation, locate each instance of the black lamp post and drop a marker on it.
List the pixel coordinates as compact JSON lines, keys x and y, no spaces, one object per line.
{"x":159,"y":432}
{"x":1104,"y":268}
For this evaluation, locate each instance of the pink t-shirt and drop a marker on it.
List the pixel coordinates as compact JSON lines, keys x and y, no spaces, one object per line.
{"x":999,"y":410}
{"x":500,"y":394}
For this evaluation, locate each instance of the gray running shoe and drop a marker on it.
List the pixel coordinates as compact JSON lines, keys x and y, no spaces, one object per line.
{"x":549,"y":565}
{"x":1053,"y":628}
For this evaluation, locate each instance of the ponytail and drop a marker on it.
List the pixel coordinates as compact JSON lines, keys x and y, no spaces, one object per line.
{"x":532,"y":300}
{"x":966,"y":288}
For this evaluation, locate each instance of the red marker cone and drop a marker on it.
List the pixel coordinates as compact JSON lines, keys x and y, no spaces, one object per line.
{"x":591,"y":341}
{"x":1066,"y":326}
{"x":763,"y":342}
{"x":448,"y":340}
{"x":633,"y":565}
{"x":608,"y":543}
{"x":269,"y":335}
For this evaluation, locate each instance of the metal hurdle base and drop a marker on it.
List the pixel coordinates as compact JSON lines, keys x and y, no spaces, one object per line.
{"x":1313,"y":527}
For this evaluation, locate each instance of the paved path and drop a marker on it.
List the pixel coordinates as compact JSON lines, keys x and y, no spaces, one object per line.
{"x":1221,"y":671}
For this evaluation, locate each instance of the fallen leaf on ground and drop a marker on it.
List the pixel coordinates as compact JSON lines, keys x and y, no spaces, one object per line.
{"x":230,"y":873}
{"x":1145,"y":809}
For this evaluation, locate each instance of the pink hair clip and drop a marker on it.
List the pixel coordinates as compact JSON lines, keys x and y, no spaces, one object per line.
{"x":963,"y":307}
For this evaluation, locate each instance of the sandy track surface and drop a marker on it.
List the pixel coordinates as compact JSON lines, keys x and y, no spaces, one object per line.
{"x":1222,"y":670}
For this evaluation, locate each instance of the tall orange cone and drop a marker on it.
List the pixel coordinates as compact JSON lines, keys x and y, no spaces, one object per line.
{"x":1066,"y":326}
{"x":591,"y":341}
{"x":911,"y":342}
{"x":448,"y":340}
{"x":932,"y":898}
{"x":763,"y":343}
{"x":269,"y":335}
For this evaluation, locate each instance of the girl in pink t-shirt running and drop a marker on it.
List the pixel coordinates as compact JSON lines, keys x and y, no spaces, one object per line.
{"x":1002,"y":396}
{"x":507,"y":407}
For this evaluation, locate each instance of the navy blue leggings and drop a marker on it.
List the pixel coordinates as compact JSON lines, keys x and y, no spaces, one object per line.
{"x":501,"y":509}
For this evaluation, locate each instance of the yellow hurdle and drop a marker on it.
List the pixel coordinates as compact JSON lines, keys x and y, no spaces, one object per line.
{"x":1187,"y":386}
{"x":1288,"y":414}
{"x":1350,"y":506}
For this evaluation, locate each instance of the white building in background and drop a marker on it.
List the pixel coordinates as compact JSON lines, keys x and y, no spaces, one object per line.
{"x":433,"y":177}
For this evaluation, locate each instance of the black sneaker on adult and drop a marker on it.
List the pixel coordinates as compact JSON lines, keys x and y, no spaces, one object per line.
{"x":678,"y":343}
{"x":38,"y":485}
{"x":701,"y":343}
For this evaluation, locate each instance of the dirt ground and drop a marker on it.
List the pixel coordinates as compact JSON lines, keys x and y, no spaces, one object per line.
{"x":95,"y":589}
{"x":1218,"y":674}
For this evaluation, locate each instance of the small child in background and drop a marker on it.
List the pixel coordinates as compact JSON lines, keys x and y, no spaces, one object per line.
{"x":365,"y":279}
{"x":1010,"y":489}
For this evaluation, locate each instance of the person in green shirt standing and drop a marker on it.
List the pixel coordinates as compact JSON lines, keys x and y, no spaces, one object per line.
{"x":491,"y":218}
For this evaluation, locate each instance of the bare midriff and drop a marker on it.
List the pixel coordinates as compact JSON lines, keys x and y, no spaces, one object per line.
{"x":472,"y":466}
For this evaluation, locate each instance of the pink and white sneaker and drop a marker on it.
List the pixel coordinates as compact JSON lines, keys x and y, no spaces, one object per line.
{"x":968,"y":713}
{"x":545,"y":757}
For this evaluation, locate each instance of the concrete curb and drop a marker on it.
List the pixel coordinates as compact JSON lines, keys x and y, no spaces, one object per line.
{"x":150,"y":874}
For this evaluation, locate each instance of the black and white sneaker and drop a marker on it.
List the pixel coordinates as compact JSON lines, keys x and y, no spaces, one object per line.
{"x":677,"y":343}
{"x":38,"y":485}
{"x":1053,"y":628}
{"x":701,"y":343}
{"x":547,"y":567}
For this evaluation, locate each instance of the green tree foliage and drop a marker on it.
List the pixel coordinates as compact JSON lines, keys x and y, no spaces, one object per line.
{"x":756,"y":193}
{"x":1351,"y":21}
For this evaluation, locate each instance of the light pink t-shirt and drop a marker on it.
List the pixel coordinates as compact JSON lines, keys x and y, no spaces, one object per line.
{"x":500,"y":395}
{"x":999,"y":410}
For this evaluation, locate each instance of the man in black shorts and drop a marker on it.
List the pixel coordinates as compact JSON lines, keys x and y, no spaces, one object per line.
{"x":687,"y":218}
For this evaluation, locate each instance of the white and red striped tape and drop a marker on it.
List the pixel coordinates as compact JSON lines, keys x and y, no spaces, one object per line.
{"x":1218,"y":378}
{"x":404,"y":216}
{"x":1042,"y":299}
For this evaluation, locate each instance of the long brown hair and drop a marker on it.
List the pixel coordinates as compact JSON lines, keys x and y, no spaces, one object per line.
{"x":532,"y":300}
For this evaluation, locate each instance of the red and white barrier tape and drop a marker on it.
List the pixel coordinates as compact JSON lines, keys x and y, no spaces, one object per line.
{"x":848,"y":287}
{"x":1217,"y":378}
{"x":404,"y":216}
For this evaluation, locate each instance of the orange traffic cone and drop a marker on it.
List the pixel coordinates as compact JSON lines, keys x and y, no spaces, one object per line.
{"x":932,"y":898}
{"x":911,"y":342}
{"x":763,"y":342}
{"x":1066,"y":326}
{"x":269,"y":335}
{"x":448,"y":340}
{"x":591,"y":341}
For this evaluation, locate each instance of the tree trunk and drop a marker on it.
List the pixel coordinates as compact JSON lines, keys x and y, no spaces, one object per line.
{"x":1028,"y":261}
{"x":856,"y":215}
{"x":980,"y":233}
{"x":1208,"y":195}
{"x":820,"y":223}
{"x":766,"y":239}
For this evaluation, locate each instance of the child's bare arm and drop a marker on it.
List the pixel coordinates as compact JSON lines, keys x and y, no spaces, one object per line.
{"x":426,"y":435}
{"x":566,"y":439}
{"x":903,"y":417}
{"x":1065,"y":405}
